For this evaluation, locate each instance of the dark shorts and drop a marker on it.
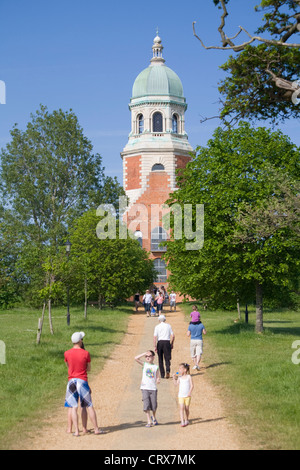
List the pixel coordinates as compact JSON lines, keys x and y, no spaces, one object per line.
{"x":149,"y":400}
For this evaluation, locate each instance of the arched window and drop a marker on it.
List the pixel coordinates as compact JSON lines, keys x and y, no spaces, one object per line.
{"x":157,"y":122}
{"x":161,"y":269}
{"x":175,"y":124}
{"x":158,"y":167}
{"x":140,"y":123}
{"x":158,"y":235}
{"x":139,"y":237}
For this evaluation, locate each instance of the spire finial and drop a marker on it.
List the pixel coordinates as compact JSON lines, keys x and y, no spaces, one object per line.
{"x":157,"y":50}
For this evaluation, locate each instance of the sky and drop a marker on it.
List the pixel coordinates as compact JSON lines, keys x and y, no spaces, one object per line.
{"x":85,"y":56}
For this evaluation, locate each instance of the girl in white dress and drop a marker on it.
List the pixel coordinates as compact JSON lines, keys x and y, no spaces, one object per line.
{"x":185,"y":383}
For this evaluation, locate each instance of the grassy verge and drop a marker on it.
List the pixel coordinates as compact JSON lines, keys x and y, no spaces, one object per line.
{"x":33,"y":380}
{"x":255,"y":374}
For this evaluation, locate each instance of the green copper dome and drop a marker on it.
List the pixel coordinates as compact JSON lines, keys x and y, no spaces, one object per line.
{"x":157,"y":80}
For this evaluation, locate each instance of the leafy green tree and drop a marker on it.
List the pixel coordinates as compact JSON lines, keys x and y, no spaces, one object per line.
{"x":262,"y":79}
{"x":239,"y":170}
{"x":109,"y":270}
{"x":49,"y":176}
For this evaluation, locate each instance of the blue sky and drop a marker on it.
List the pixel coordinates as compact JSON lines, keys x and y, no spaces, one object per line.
{"x":86,"y":55}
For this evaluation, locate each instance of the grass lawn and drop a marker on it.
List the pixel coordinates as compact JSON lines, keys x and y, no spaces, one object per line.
{"x":34,"y":377}
{"x":255,"y":374}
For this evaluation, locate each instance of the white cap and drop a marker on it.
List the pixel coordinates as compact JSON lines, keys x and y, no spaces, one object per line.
{"x":162,"y":318}
{"x":76,"y":337}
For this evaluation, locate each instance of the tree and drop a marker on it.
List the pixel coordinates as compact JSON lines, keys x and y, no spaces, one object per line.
{"x":49,"y":176}
{"x":239,"y":169}
{"x":263,"y":78}
{"x":109,"y":270}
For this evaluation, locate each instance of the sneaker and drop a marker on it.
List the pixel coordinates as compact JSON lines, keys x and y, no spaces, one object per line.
{"x":195,"y":367}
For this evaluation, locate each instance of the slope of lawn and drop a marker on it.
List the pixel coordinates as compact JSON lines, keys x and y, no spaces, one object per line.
{"x":255,"y":374}
{"x":34,"y":378}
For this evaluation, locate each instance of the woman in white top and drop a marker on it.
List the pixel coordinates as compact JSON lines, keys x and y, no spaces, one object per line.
{"x":147,"y":301}
{"x":185,"y":383}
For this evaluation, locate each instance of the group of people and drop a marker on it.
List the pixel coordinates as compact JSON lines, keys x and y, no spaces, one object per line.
{"x":78,"y":361}
{"x":163,"y":343}
{"x":154,"y":302}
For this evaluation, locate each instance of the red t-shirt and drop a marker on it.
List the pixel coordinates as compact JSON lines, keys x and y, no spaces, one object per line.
{"x":77,"y":360}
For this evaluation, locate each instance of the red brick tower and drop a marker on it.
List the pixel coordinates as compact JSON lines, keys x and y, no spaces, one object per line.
{"x":157,"y":146}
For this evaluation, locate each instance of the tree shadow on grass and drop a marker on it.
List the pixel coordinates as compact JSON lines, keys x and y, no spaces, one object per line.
{"x":242,"y":328}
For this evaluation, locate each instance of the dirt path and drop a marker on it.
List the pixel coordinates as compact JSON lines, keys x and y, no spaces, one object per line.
{"x":117,"y":401}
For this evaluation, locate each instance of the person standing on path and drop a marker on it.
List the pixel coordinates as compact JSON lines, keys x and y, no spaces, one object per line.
{"x":186,"y":386}
{"x":163,"y":343}
{"x":78,"y":361}
{"x":150,"y":379}
{"x":195,"y":331}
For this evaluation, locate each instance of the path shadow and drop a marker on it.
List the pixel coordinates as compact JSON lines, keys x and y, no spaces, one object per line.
{"x":142,"y":424}
{"x":217,"y":364}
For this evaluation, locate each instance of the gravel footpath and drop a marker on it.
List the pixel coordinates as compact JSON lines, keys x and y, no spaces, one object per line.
{"x":117,"y":401}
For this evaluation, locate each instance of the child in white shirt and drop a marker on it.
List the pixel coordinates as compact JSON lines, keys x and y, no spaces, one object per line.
{"x":186,"y":386}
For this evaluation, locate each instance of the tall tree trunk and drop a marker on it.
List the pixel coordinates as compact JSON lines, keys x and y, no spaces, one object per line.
{"x":85,"y":298}
{"x":100,"y":300}
{"x":50,"y":317}
{"x":40,"y":326}
{"x":238,"y":308}
{"x":259,"y":308}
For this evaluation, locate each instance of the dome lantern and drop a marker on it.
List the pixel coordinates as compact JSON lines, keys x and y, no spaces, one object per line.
{"x":157,"y":51}
{"x":157,"y":78}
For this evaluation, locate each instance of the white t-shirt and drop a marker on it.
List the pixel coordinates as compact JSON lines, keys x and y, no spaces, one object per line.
{"x":148,"y":298}
{"x":184,"y":386}
{"x":173,"y":297}
{"x":149,"y":377}
{"x":163,"y":332}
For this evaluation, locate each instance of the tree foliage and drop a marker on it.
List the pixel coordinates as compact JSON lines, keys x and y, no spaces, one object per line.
{"x":262,"y":79}
{"x":111,"y":270}
{"x":237,"y":177}
{"x":49,"y":176}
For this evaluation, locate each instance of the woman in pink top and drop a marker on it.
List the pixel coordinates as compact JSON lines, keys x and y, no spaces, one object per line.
{"x":159,"y":302}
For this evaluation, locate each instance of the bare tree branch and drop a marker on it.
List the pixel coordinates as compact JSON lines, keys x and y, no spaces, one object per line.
{"x":241,"y":47}
{"x":227,"y":43}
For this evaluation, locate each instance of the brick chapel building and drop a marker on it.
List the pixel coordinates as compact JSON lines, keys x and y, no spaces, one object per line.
{"x":157,"y":146}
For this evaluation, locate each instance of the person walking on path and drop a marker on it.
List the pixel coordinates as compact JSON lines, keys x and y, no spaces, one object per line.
{"x":186,"y":386}
{"x":173,"y":301}
{"x":137,"y":301}
{"x":147,"y":301}
{"x":78,"y":361}
{"x":150,"y":379}
{"x":195,"y":332}
{"x":159,"y":303}
{"x":163,"y":343}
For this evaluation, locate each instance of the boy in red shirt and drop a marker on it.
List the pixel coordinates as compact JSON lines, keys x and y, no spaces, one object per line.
{"x":78,"y":361}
